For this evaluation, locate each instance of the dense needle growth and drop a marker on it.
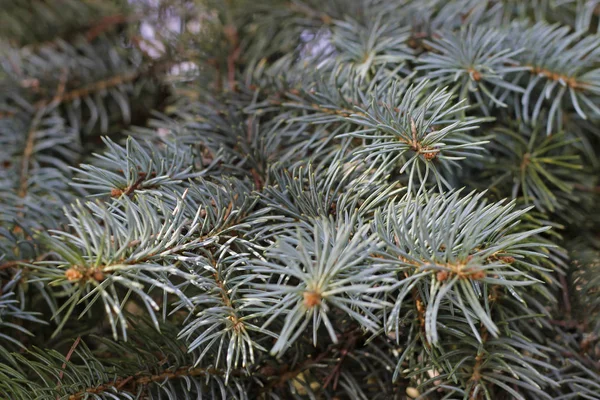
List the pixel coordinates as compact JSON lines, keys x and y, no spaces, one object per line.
{"x":299,"y":199}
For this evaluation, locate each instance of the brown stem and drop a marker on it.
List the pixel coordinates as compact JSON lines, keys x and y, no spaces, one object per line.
{"x":27,"y":153}
{"x":567,"y":323}
{"x":326,"y":19}
{"x":565,"y":295}
{"x":30,"y":142}
{"x":62,"y":96}
{"x":104,"y":24}
{"x":284,"y":375}
{"x":258,"y":180}
{"x":91,"y":88}
{"x":427,"y":152}
{"x":349,"y":344}
{"x":232,"y":37}
{"x":476,"y":374}
{"x":67,"y":358}
{"x":16,"y":263}
{"x":583,"y":188}
{"x":134,"y":381}
{"x":421,"y":309}
{"x":11,"y":264}
{"x":136,"y":185}
{"x":93,"y":32}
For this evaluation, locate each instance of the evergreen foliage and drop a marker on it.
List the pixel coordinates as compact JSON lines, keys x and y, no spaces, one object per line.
{"x":299,"y":199}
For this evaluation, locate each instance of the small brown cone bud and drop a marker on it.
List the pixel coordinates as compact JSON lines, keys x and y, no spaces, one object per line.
{"x":430,"y":155}
{"x":475,"y":75}
{"x":442,"y":276}
{"x":73,"y":274}
{"x":312,"y":299}
{"x":116,"y":192}
{"x":98,"y":275}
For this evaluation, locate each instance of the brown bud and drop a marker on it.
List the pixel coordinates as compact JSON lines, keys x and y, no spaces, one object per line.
{"x":430,"y":156}
{"x":98,"y":275}
{"x":478,"y":275}
{"x":333,"y":208}
{"x":312,"y":299}
{"x":116,"y":192}
{"x":429,"y":153}
{"x":73,"y":274}
{"x":476,"y":75}
{"x":442,"y":276}
{"x":507,"y":259}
